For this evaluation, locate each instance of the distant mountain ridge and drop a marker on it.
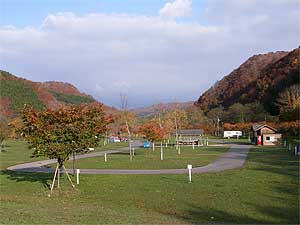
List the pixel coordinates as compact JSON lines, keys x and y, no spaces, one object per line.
{"x":16,"y":91}
{"x":160,"y":108}
{"x":261,"y":78}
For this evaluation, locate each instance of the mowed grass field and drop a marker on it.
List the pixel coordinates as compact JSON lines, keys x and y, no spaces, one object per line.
{"x":149,"y":159}
{"x":264,"y":191}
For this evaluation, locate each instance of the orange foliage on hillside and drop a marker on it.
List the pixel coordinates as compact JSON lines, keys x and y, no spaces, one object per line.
{"x":286,"y":128}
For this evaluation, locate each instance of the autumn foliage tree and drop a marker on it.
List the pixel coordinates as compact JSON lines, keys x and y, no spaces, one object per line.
{"x":152,"y":131}
{"x":4,"y":131}
{"x":289,"y":103}
{"x":57,"y":134}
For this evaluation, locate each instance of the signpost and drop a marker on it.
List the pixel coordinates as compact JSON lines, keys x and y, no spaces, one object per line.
{"x":161,"y":152}
{"x":77,"y":173}
{"x":189,"y":167}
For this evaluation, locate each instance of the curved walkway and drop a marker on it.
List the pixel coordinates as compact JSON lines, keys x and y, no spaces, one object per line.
{"x":234,"y":158}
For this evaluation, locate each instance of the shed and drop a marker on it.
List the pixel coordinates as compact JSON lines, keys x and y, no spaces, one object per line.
{"x":189,"y":136}
{"x":265,"y":135}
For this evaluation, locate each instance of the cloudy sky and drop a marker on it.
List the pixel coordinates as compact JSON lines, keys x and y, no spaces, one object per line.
{"x":152,"y":50}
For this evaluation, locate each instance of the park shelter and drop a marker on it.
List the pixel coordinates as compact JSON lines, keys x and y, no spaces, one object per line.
{"x":189,"y":136}
{"x":265,"y":135}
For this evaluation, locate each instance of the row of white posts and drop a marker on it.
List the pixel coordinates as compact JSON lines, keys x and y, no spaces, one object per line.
{"x":189,"y":167}
{"x":289,"y":146}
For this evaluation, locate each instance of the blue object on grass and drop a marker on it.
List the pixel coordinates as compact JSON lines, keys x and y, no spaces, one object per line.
{"x":146,"y":144}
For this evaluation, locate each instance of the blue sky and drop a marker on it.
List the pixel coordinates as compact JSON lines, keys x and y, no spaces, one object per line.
{"x":153,"y":51}
{"x":22,"y":13}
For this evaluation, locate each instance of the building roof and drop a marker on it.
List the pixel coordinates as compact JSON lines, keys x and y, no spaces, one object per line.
{"x":257,"y":127}
{"x":191,"y":132}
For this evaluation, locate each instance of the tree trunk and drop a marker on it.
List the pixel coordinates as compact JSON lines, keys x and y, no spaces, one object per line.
{"x":129,"y":139}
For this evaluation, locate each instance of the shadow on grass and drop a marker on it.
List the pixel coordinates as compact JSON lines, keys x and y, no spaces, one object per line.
{"x":199,"y":215}
{"x":43,"y":178}
{"x":275,"y":160}
{"x":281,"y":214}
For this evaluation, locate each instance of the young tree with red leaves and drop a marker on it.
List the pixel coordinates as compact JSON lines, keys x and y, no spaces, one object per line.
{"x":57,"y":134}
{"x":153,"y":132}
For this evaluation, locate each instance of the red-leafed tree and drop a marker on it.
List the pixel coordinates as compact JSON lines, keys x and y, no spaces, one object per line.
{"x":57,"y":134}
{"x":152,"y":132}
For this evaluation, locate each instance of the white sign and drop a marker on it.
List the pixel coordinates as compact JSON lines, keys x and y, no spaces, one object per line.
{"x":77,"y":171}
{"x":190,"y":172}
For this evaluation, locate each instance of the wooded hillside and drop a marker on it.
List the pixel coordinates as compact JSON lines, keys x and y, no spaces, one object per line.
{"x":15,"y":92}
{"x":262,"y":78}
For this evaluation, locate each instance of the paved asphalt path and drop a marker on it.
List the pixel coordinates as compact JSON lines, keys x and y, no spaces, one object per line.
{"x":234,"y":158}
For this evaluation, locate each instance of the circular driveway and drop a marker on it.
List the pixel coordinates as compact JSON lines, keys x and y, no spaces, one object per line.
{"x":234,"y":158}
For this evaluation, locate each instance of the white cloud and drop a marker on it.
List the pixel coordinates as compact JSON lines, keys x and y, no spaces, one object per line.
{"x":178,"y":8}
{"x":149,"y":58}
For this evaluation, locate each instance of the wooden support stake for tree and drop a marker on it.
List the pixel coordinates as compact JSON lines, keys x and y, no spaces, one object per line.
{"x":58,"y":176}
{"x":68,"y":177}
{"x":53,"y":182}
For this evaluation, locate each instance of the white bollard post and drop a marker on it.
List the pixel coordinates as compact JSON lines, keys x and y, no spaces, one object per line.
{"x":178,"y":150}
{"x":105,"y":157}
{"x":193,"y":145}
{"x":133,"y":153}
{"x":189,"y":167}
{"x":77,"y":173}
{"x":166,"y":144}
{"x":295,"y":150}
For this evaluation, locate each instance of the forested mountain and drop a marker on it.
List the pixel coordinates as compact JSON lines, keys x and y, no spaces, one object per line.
{"x":15,"y":92}
{"x":149,"y":111}
{"x":261,"y":79}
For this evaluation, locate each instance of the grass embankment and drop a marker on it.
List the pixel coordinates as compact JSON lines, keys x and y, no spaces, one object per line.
{"x":148,"y":159}
{"x":264,"y":191}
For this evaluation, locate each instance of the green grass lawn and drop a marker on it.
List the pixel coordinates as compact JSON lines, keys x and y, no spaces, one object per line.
{"x":264,"y":191}
{"x":148,"y":159}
